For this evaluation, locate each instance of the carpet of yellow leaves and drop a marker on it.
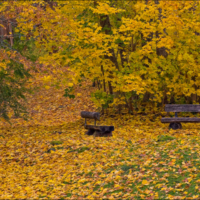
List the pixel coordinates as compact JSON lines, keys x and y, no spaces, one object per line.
{"x":50,"y":156}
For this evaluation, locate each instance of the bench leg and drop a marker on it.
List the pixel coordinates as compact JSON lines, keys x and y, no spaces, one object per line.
{"x":175,"y":125}
{"x":90,"y":132}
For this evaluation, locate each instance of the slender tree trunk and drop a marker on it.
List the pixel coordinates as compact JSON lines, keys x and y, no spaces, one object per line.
{"x":104,"y":83}
{"x":106,"y":27}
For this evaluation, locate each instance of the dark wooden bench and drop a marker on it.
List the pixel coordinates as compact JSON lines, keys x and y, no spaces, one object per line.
{"x":175,"y":122}
{"x":94,"y":129}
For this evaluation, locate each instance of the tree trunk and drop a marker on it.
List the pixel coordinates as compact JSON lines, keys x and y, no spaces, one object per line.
{"x":106,"y":27}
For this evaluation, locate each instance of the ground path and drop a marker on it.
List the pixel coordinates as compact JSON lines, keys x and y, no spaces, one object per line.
{"x":50,"y":156}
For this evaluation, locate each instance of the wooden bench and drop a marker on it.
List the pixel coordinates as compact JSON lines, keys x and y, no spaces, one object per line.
{"x":175,"y":122}
{"x":94,"y":129}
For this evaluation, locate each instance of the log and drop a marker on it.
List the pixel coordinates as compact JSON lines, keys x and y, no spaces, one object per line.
{"x":100,"y":128}
{"x":91,"y":115}
{"x":181,"y":119}
{"x":90,"y":132}
{"x":182,"y":108}
{"x":102,"y":134}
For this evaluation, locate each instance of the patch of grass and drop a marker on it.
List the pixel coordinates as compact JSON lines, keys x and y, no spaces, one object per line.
{"x":65,"y":182}
{"x":50,"y":150}
{"x":109,"y":185}
{"x":42,"y":196}
{"x":126,"y":168}
{"x":129,"y":141}
{"x":56,"y":142}
{"x":69,"y":195}
{"x":89,"y":174}
{"x":96,"y":187}
{"x":163,"y":138}
{"x":84,"y":183}
{"x":79,"y":150}
{"x":59,"y":147}
{"x":82,"y":149}
{"x":116,"y":191}
{"x":173,"y":179}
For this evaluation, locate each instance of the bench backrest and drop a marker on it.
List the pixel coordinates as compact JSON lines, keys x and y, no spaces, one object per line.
{"x":182,"y":108}
{"x":90,"y":115}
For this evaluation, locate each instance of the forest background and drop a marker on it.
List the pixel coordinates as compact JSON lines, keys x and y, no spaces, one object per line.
{"x":141,"y":55}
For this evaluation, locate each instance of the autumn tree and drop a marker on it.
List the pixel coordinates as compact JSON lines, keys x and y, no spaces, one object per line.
{"x":14,"y":71}
{"x":13,"y":77}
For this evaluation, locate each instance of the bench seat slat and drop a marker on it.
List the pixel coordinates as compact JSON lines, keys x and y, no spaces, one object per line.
{"x":91,"y":115}
{"x":182,"y":108}
{"x":180,"y":119}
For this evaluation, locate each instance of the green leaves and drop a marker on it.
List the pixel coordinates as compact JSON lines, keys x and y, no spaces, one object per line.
{"x":12,"y":81}
{"x":102,"y":98}
{"x":68,"y":93}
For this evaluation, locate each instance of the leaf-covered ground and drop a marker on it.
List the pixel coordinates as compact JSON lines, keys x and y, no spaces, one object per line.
{"x":51,"y":157}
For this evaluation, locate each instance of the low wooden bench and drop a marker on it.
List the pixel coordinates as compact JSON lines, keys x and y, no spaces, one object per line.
{"x":175,"y":122}
{"x":94,"y":129}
